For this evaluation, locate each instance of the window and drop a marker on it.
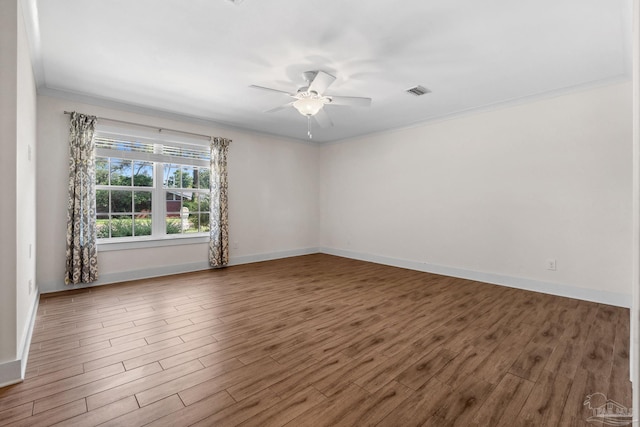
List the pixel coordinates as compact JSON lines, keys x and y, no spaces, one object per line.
{"x":186,"y":192}
{"x":147,"y":189}
{"x":124,"y":192}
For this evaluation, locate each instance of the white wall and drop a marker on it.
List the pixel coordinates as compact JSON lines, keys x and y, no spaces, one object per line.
{"x":492,"y":196}
{"x":26,"y":184}
{"x":8,"y":138}
{"x":17,"y":210}
{"x":634,"y":339}
{"x":273,"y":204}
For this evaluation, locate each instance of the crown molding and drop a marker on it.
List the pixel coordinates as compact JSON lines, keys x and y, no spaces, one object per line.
{"x":32,"y":27}
{"x":567,"y":90}
{"x":153,"y":112}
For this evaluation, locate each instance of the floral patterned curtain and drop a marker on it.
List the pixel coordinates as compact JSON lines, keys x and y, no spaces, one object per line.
{"x":82,"y":255}
{"x":218,"y":218}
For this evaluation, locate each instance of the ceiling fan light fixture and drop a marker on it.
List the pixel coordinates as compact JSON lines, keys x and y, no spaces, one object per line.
{"x":308,"y":104}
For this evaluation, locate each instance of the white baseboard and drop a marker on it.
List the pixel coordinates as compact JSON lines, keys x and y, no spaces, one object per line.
{"x":13,"y":371}
{"x":10,"y":372}
{"x":248,"y":259}
{"x":147,"y":273}
{"x":25,"y":345}
{"x":603,"y":297}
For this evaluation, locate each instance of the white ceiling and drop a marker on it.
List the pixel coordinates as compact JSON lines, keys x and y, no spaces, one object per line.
{"x":197,"y":58}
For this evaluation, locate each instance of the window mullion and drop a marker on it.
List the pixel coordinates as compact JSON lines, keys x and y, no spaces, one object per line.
{"x":158,"y":203}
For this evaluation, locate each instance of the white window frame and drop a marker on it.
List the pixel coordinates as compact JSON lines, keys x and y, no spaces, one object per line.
{"x":158,"y":235}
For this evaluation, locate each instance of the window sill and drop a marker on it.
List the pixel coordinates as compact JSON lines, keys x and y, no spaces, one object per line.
{"x":154,"y":242}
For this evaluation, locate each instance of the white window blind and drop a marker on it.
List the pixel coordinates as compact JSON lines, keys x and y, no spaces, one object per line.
{"x":109,"y":145}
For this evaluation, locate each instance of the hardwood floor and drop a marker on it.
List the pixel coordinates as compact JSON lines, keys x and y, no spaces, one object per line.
{"x":317,"y":341}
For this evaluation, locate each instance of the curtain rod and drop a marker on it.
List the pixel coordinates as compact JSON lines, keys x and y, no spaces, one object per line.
{"x":159,"y":129}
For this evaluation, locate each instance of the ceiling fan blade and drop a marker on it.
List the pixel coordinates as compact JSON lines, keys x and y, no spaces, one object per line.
{"x":323,"y":119}
{"x":281,"y":107}
{"x":352,"y":101}
{"x":321,"y":82}
{"x":270,"y":89}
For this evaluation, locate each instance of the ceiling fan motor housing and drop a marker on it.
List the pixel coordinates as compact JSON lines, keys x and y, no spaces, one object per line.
{"x":309,"y":75}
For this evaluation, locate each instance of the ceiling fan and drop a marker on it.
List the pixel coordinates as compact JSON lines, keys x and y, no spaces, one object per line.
{"x":310,"y":100}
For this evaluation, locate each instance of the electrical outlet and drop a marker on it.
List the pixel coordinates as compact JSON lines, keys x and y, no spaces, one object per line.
{"x":551,"y":264}
{"x":30,"y":286}
{"x":30,"y":245}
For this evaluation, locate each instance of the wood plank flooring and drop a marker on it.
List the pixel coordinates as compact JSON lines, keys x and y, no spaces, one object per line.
{"x":317,"y":340}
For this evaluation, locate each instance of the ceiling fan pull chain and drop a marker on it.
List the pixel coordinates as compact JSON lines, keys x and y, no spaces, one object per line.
{"x":309,"y":127}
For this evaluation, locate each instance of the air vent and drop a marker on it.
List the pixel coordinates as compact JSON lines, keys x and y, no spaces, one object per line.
{"x":418,"y":90}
